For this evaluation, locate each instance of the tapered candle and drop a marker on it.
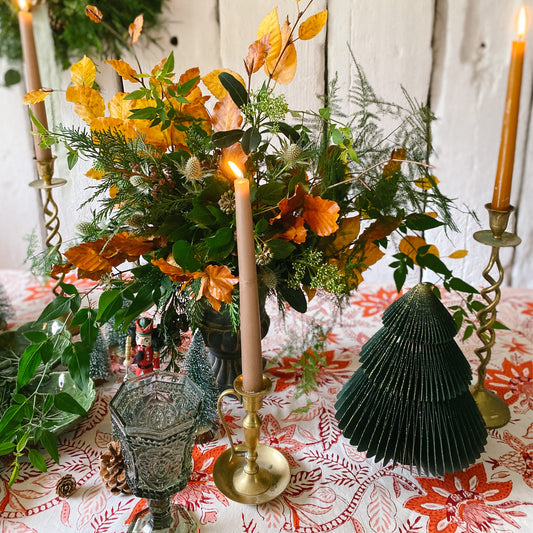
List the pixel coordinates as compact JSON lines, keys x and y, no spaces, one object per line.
{"x":33,"y":78}
{"x":252,"y":363}
{"x":504,"y":174}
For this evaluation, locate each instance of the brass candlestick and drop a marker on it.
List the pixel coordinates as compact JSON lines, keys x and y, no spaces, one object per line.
{"x":494,"y":410}
{"x":250,"y":473}
{"x":47,"y":183}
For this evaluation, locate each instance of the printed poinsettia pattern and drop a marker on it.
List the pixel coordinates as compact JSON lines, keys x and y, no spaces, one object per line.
{"x":333,"y":486}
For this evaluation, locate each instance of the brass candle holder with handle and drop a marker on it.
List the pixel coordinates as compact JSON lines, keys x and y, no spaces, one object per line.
{"x":494,"y":410}
{"x":250,"y":472}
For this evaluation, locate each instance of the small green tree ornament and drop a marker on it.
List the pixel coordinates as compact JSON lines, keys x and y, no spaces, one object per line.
{"x":100,"y":363}
{"x":197,"y":367}
{"x":410,"y":402}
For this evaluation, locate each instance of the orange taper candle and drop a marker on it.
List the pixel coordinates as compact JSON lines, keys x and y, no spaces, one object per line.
{"x":504,"y":173}
{"x":252,"y":363}
{"x":33,"y":78}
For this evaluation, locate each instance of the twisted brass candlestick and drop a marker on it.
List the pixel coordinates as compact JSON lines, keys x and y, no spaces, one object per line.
{"x":47,"y":183}
{"x":494,"y":410}
{"x":250,"y":473}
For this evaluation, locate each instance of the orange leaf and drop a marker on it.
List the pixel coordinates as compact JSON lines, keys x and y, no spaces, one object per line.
{"x":410,"y":244}
{"x":94,"y":13}
{"x":321,"y":215}
{"x":312,"y":26}
{"x":90,"y":103}
{"x":83,"y":72}
{"x":216,"y":88}
{"x":216,"y":285}
{"x":226,"y":115}
{"x":132,"y":247}
{"x":87,"y":257}
{"x":189,"y":74}
{"x":57,"y":270}
{"x":95,"y":174}
{"x":234,"y":153}
{"x":296,"y":232}
{"x":285,"y":68}
{"x":257,"y":54}
{"x":395,"y":163}
{"x":120,"y":108}
{"x":135,"y":28}
{"x":270,"y":26}
{"x":34,"y":97}
{"x":289,"y":205}
{"x":113,"y":191}
{"x":174,"y":272}
{"x":426,"y":183}
{"x":123,"y":69}
{"x":458,"y":254}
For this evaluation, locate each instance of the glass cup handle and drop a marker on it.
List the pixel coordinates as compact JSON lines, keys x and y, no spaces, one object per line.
{"x":227,"y":392}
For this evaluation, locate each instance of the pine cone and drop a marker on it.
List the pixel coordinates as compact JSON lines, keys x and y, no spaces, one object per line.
{"x":112,"y":469}
{"x":66,"y":486}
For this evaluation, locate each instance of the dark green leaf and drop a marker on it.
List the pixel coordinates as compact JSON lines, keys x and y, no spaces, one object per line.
{"x":14,"y":413}
{"x":250,"y":140}
{"x":186,"y":87}
{"x":458,"y":284}
{"x":37,"y":460}
{"x":47,"y":350}
{"x":433,"y":263}
{"x":29,"y":361}
{"x":400,"y":275}
{"x":271,"y":193}
{"x":288,"y":131}
{"x":235,"y":88}
{"x":78,"y":365}
{"x":224,"y":139}
{"x":280,"y":248}
{"x":201,"y":215}
{"x":220,"y":245}
{"x":72,"y":159}
{"x":65,"y":402}
{"x":468,"y":332}
{"x":89,"y":332}
{"x":36,"y":337}
{"x":261,"y":226}
{"x":420,"y":222}
{"x":55,"y":309}
{"x":294,"y":297}
{"x":499,"y":325}
{"x":183,"y":254}
{"x":109,"y":303}
{"x":80,"y":317}
{"x":49,"y":442}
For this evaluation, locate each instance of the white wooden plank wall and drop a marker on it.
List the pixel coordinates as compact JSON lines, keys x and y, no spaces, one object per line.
{"x":454,"y":55}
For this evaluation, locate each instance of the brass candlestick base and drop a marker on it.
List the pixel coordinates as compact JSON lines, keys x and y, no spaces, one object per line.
{"x":494,"y":410}
{"x":250,"y":473}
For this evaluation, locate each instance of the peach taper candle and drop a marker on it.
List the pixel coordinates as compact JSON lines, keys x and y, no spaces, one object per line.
{"x":33,"y":78}
{"x":504,"y":174}
{"x":252,"y":363}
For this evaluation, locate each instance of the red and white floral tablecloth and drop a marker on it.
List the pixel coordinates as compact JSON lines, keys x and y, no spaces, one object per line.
{"x":333,"y":486}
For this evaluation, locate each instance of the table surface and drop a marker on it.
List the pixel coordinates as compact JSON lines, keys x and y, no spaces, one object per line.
{"x":333,"y":486}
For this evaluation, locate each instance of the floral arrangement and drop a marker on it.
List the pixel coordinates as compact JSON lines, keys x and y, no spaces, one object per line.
{"x":328,"y":194}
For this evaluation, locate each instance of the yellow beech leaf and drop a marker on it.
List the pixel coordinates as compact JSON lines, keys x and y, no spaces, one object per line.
{"x":90,"y":103}
{"x":410,"y":244}
{"x":216,"y":285}
{"x":458,"y":254}
{"x":123,"y":69}
{"x":270,"y":26}
{"x":113,"y":191}
{"x":321,"y":215}
{"x":95,"y":174}
{"x":216,"y":88}
{"x":226,"y":115}
{"x":83,"y":72}
{"x":425,"y":183}
{"x":94,"y":13}
{"x":120,"y":108}
{"x":348,"y":231}
{"x":34,"y":97}
{"x":257,"y":53}
{"x":135,"y":28}
{"x":312,"y":26}
{"x":395,"y":163}
{"x":285,"y":68}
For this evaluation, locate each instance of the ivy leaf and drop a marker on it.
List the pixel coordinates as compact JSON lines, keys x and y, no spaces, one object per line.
{"x":280,"y":248}
{"x":65,"y":402}
{"x":235,"y":88}
{"x":183,"y":254}
{"x":37,"y":460}
{"x":11,"y":77}
{"x":220,"y":245}
{"x":271,"y":193}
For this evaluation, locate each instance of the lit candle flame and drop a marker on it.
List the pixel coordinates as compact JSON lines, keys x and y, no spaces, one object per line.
{"x":522,"y":22}
{"x":24,"y":5}
{"x":236,"y":170}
